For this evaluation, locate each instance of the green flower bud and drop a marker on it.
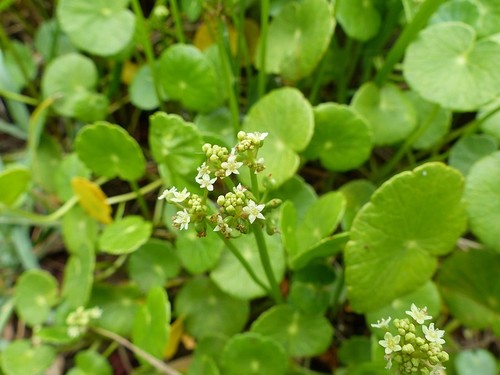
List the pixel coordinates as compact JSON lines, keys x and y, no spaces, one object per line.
{"x":408,"y":349}
{"x":410,"y":337}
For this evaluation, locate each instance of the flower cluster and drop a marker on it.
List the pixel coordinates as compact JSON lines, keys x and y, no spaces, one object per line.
{"x":78,"y":320}
{"x":237,"y":208}
{"x":415,"y":351}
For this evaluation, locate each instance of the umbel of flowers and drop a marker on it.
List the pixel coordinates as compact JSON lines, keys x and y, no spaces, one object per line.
{"x":238,"y":208}
{"x":417,"y":347}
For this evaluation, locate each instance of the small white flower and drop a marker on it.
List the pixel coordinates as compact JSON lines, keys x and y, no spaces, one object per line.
{"x":438,"y":369}
{"x":420,"y":315}
{"x":222,"y":226}
{"x":390,"y":343}
{"x":180,"y":196}
{"x":95,"y":312}
{"x":168,"y":193}
{"x":433,"y":334}
{"x":182,"y":218}
{"x":239,"y":188}
{"x":382,"y":323}
{"x":75,"y":331}
{"x":207,"y":183}
{"x":203,"y":170}
{"x":231,"y":165}
{"x":388,"y":358}
{"x":254,"y":211}
{"x":256,"y":136}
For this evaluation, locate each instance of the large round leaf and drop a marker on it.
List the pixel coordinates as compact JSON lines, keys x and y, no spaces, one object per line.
{"x":232,"y":278}
{"x":359,"y":18}
{"x":13,"y":182}
{"x":125,"y":236}
{"x":297,"y":38}
{"x":288,"y":118}
{"x":395,"y":239}
{"x":20,"y":358}
{"x":188,"y":76}
{"x":101,"y":27}
{"x":479,"y":361}
{"x":208,"y":310}
{"x":342,"y":139}
{"x":389,"y":112}
{"x":446,"y":65}
{"x":482,"y":199}
{"x":108,"y":150}
{"x":301,"y":335}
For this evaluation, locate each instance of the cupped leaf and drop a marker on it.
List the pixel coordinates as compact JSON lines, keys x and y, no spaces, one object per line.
{"x":196,"y":254}
{"x":34,"y":295}
{"x":446,"y":59}
{"x":342,"y":139}
{"x":359,"y":18}
{"x":175,"y":143}
{"x":469,"y":150}
{"x":79,"y":276}
{"x":20,"y":358}
{"x":297,"y":39}
{"x":482,"y":199}
{"x":301,"y":335}
{"x":100,"y":27}
{"x":232,"y":278}
{"x":70,"y":167}
{"x":388,"y":111}
{"x":125,"y":236}
{"x":108,"y":150}
{"x":469,"y":285}
{"x":288,"y":118}
{"x":209,"y":310}
{"x":188,"y":76}
{"x":67,"y":78}
{"x":395,"y":239}
{"x":14,"y":182}
{"x":478,"y":361}
{"x":251,"y":353}
{"x":152,"y":324}
{"x":90,"y":362}
{"x":92,"y":199}
{"x":357,"y":193}
{"x":153,"y":263}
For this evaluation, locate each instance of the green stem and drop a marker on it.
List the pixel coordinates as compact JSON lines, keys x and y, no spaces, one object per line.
{"x":140,"y":199}
{"x":18,"y":97}
{"x":243,"y":262}
{"x":264,"y":25}
{"x":133,"y":195}
{"x":177,"y":21}
{"x":255,"y":184}
{"x":266,"y":262}
{"x":111,"y":269}
{"x":409,"y":33}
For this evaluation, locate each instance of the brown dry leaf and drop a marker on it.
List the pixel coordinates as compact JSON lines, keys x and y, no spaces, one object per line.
{"x":92,"y":199}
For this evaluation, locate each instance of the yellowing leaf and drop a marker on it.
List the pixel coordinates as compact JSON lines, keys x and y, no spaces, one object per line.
{"x":92,"y":199}
{"x":128,"y":72}
{"x":176,"y":331}
{"x":206,"y":35}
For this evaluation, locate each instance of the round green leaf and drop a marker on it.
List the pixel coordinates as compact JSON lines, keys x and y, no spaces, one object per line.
{"x":469,"y":284}
{"x":55,"y":335}
{"x":34,"y":295}
{"x":175,"y":143}
{"x":51,"y":41}
{"x":48,"y":157}
{"x":435,"y":119}
{"x":482,"y":199}
{"x":465,"y":11}
{"x":342,"y":139}
{"x":125,"y":236}
{"x":355,"y":350}
{"x":388,"y":111}
{"x":288,"y":118}
{"x":90,"y":362}
{"x":297,"y":39}
{"x":469,"y":150}
{"x":203,"y":364}
{"x":359,"y":18}
{"x":216,"y":127}
{"x":188,"y":76}
{"x":357,"y":194}
{"x":395,"y":239}
{"x":473,"y":362}
{"x":100,"y":27}
{"x":208,"y":310}
{"x":446,"y":59}
{"x":108,"y":150}
{"x":301,"y":335}
{"x":232,"y":278}
{"x":78,"y":229}
{"x":67,"y":78}
{"x":14,"y":182}
{"x":489,"y":20}
{"x":142,"y":91}
{"x":299,"y":192}
{"x":13,"y":77}
{"x":153,"y":263}
{"x":197,"y":254}
{"x":70,"y":167}
{"x":20,"y":358}
{"x":79,"y":276}
{"x":251,"y":353}
{"x":90,"y":106}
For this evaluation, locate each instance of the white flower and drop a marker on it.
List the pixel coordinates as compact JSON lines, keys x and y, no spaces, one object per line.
{"x":203,"y":170}
{"x":180,"y":196}
{"x":438,"y":369}
{"x":433,"y":334}
{"x":389,"y":362}
{"x":206,"y":182}
{"x":168,"y":193}
{"x":382,"y":323}
{"x":390,"y":343}
{"x":182,"y":219}
{"x":420,"y":315}
{"x":75,"y":331}
{"x":231,"y":165}
{"x":254,"y":211}
{"x":256,"y":137}
{"x":95,"y":312}
{"x":239,"y":188}
{"x":222,"y":226}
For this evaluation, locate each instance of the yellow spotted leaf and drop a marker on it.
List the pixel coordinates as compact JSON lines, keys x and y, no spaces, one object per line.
{"x":92,"y":199}
{"x":176,"y":331}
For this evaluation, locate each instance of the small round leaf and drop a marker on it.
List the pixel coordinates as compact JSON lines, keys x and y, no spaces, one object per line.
{"x":125,"y":236}
{"x":359,"y":18}
{"x":20,"y":358}
{"x":90,"y":362}
{"x":479,"y":361}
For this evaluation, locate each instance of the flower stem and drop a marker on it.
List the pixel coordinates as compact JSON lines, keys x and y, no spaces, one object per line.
{"x":266,"y":263}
